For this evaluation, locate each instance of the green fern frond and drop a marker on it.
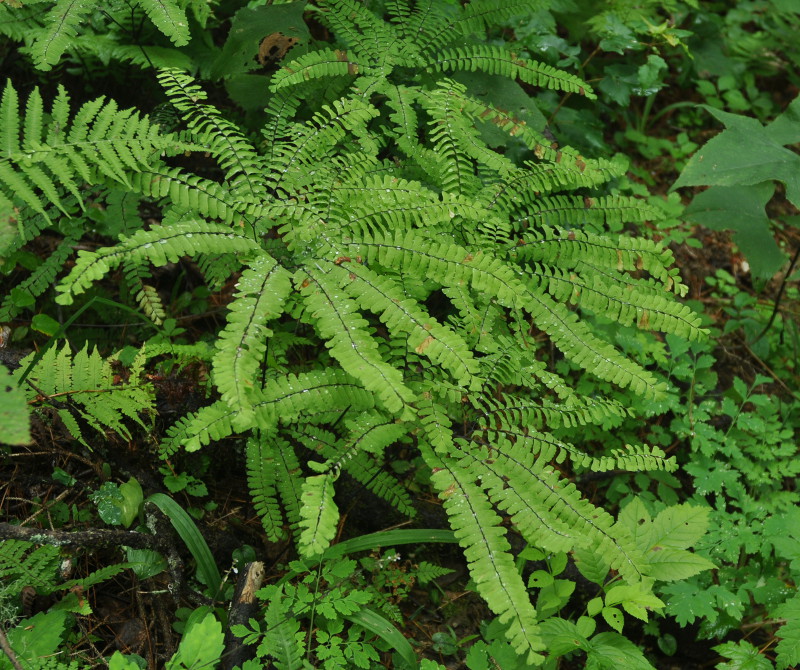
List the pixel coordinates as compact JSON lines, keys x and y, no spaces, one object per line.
{"x":369,"y":37}
{"x":398,"y":312}
{"x":318,"y":515}
{"x":244,"y":169}
{"x":146,"y":295}
{"x":632,"y":458}
{"x":85,"y":382}
{"x":62,"y":23}
{"x":39,"y":281}
{"x":449,"y":130}
{"x":281,"y":399}
{"x":210,"y":423}
{"x":25,"y":565}
{"x":495,"y":60}
{"x":313,"y":141}
{"x":573,"y":211}
{"x":556,"y":499}
{"x":348,"y":338}
{"x":358,"y":465}
{"x":491,"y":565}
{"x":159,"y":246}
{"x":568,"y":248}
{"x":262,"y":288}
{"x":100,"y":142}
{"x":170,"y":18}
{"x":203,"y":196}
{"x":324,"y":63}
{"x":261,"y":482}
{"x":435,"y":29}
{"x":288,"y":480}
{"x":625,"y":305}
{"x":570,"y":412}
{"x":19,"y":22}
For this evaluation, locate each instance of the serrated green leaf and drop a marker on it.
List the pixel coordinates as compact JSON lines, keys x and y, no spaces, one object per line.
{"x":671,"y":565}
{"x":611,"y":651}
{"x":613,"y":618}
{"x":742,"y":655}
{"x":788,"y":648}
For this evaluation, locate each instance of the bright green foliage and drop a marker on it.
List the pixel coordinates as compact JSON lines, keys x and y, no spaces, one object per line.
{"x":84,"y":385}
{"x":376,"y":229}
{"x":201,"y":646}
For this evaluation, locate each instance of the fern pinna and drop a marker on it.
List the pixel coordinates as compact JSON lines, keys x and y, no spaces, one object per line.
{"x":427,"y":270}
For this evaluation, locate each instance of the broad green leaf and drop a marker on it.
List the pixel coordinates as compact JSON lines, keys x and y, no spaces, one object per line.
{"x":562,"y":637}
{"x":743,"y":656}
{"x":201,"y":646}
{"x":613,"y":618}
{"x":37,"y":636}
{"x":131,"y":501}
{"x":741,"y":209}
{"x":686,"y":602}
{"x":611,"y":651}
{"x":634,"y":599}
{"x":671,"y":565}
{"x":744,"y":154}
{"x":678,"y":527}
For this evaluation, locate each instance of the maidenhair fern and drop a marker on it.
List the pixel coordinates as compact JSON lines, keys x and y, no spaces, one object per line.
{"x":425,"y":270}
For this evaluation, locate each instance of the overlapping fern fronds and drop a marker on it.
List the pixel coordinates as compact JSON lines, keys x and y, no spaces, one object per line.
{"x":426,"y":270}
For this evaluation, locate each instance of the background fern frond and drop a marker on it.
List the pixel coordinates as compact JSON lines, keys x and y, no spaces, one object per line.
{"x":494,"y":60}
{"x":62,"y":23}
{"x":169,"y":17}
{"x":261,"y":482}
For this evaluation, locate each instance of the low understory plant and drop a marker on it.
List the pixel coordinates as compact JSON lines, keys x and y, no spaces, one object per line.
{"x":399,"y":285}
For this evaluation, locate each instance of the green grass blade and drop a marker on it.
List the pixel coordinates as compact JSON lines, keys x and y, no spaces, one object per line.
{"x":207,"y":570}
{"x":377,"y":624}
